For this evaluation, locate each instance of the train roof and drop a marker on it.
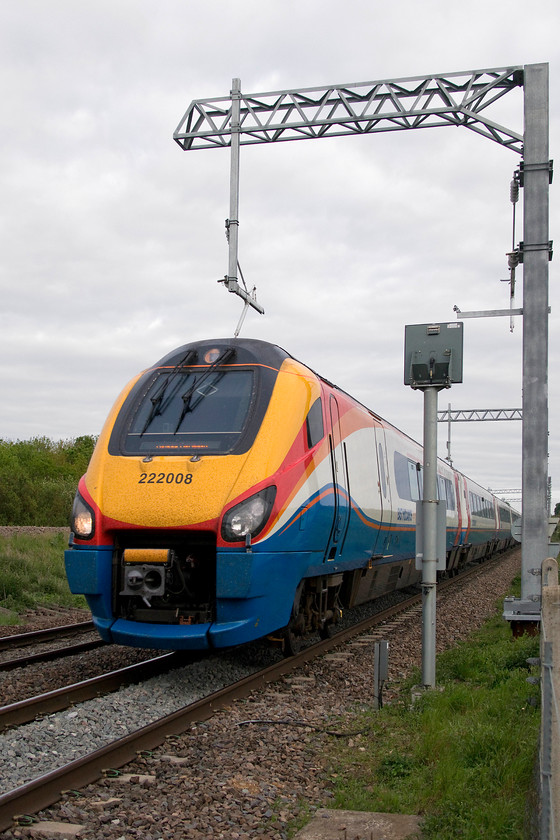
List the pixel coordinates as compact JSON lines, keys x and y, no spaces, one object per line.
{"x":247,"y":351}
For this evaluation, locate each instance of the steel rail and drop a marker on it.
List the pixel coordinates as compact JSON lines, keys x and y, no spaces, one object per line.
{"x":53,"y":653}
{"x":47,"y":789}
{"x":46,"y":635}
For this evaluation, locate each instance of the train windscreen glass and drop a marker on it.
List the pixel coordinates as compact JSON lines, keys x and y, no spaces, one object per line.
{"x":195,"y":412}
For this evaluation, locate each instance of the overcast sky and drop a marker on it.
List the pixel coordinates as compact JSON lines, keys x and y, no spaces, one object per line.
{"x":113,"y":237}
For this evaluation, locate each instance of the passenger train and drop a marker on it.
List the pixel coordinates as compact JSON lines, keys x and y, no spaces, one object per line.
{"x":234,"y":493}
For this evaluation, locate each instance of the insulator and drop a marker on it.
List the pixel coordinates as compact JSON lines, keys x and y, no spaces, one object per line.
{"x":514,"y":191}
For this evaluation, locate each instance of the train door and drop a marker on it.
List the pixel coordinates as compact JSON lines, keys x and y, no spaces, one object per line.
{"x":382,"y":545}
{"x":459,"y":505}
{"x":341,"y":490}
{"x":468,"y":519}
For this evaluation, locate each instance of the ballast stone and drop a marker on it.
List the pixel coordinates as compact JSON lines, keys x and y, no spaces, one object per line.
{"x":56,"y":829}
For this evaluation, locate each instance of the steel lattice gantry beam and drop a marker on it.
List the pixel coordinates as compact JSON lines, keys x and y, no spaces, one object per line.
{"x":466,"y":415}
{"x":451,"y":99}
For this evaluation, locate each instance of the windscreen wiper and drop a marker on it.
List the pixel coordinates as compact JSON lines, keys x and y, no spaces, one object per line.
{"x":187,"y":396}
{"x":157,"y":398}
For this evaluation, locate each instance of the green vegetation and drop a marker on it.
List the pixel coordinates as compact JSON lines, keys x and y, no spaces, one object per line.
{"x":556,"y":535}
{"x":462,"y":756}
{"x":32,"y":574}
{"x":38,"y":479}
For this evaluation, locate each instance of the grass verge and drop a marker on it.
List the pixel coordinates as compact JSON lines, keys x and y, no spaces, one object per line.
{"x":462,"y":756}
{"x":32,"y":575}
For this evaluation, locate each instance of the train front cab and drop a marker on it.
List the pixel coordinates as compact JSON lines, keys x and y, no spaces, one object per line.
{"x":131,"y":571}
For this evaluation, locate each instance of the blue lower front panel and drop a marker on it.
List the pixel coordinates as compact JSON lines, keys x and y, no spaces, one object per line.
{"x":89,"y":573}
{"x":160,"y":636}
{"x":254,"y":597}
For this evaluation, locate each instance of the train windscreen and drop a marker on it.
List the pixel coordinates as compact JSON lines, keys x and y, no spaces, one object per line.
{"x":190,"y":411}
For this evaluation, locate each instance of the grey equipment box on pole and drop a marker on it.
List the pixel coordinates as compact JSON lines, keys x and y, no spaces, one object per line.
{"x":433,"y":354}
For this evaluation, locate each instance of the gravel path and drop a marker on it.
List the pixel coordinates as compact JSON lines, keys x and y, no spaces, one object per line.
{"x":227,"y":778}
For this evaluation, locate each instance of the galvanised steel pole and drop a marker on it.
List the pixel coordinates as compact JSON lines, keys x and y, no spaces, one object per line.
{"x":536,"y":251}
{"x":233,"y":221}
{"x":429,"y":560}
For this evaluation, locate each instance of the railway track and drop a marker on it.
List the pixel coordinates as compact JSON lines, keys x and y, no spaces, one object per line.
{"x":35,"y":636}
{"x":38,"y":638}
{"x":44,"y":791}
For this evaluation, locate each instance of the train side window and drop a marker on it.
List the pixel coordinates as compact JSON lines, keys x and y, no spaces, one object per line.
{"x":409,"y":478}
{"x":413,"y":476}
{"x":445,"y":492}
{"x":401,"y":476}
{"x":314,"y":423}
{"x":449,"y":494}
{"x":472,"y":504}
{"x":480,"y":506}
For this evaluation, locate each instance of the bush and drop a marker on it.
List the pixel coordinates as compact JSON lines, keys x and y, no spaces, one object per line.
{"x":38,"y":479}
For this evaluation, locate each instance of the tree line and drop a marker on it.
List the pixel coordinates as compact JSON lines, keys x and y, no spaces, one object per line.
{"x":39,"y":477}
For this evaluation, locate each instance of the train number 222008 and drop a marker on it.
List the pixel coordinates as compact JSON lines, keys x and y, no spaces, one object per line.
{"x":165,"y":478}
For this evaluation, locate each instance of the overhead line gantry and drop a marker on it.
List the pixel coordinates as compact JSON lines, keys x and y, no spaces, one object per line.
{"x":451,"y":99}
{"x":461,"y":99}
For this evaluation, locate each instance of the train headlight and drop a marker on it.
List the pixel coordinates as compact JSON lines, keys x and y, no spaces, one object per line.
{"x":248,"y":517}
{"x":82,"y":522}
